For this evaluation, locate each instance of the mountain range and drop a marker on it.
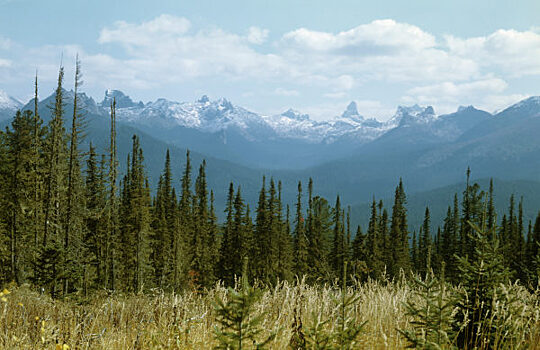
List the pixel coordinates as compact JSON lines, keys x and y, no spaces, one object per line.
{"x":350,"y":155}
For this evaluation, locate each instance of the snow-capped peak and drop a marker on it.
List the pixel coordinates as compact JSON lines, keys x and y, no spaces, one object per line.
{"x":412,"y":115}
{"x":122,"y":100}
{"x":8,"y":102}
{"x":350,"y":115}
{"x":294,"y":114}
{"x":528,"y":102}
{"x":352,"y":111}
{"x":465,"y":108}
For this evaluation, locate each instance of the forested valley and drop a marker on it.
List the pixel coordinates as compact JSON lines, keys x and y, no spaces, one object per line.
{"x":92,"y":258}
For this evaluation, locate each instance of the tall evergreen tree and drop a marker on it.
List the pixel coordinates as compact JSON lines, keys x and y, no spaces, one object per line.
{"x":48,"y":262}
{"x":163,"y":228}
{"x":73,"y":223}
{"x":320,"y":244}
{"x":135,"y":225}
{"x":112,"y":235}
{"x":375,"y":259}
{"x":37,"y":174}
{"x":185,"y":223}
{"x":300,"y":238}
{"x":203,"y":240}
{"x":94,"y":234}
{"x":19,"y":176}
{"x":399,"y":235}
{"x":227,"y":269}
{"x":284,"y":243}
{"x":338,"y":251}
{"x":425,"y":246}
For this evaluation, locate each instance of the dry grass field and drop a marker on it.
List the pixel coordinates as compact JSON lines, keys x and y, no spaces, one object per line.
{"x":158,"y":320}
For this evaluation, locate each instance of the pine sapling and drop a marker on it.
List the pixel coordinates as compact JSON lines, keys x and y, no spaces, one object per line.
{"x":348,"y":329}
{"x":431,"y":309}
{"x":240,"y":328}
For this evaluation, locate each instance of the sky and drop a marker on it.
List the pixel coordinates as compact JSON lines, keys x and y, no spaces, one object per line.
{"x":268,"y":56}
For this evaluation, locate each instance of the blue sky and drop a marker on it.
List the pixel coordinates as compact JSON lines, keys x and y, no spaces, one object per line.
{"x":314,"y":56}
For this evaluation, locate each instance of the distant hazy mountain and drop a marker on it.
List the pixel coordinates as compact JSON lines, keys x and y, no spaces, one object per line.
{"x":228,"y":131}
{"x":437,"y":153}
{"x":223,"y":130}
{"x":349,"y":155}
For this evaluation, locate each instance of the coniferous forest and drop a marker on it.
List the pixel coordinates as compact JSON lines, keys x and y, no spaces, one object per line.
{"x":94,"y":258}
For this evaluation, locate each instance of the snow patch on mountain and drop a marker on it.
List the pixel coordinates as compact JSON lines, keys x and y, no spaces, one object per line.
{"x":408,"y":116}
{"x":9,"y":103}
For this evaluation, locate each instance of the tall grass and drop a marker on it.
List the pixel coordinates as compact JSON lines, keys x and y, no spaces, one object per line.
{"x":29,"y":320}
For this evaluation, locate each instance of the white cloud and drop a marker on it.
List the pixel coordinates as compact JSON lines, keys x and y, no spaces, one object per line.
{"x":164,"y":26}
{"x":376,"y":38}
{"x":453,"y":92}
{"x":383,"y":49}
{"x":516,"y":53}
{"x":257,"y":35}
{"x":286,"y":92}
{"x":166,"y":51}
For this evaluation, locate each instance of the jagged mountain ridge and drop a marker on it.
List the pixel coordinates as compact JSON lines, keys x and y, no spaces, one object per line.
{"x":230,"y":132}
{"x":210,"y":116}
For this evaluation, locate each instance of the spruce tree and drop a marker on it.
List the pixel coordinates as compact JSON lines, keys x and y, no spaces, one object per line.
{"x":185,"y":222}
{"x":482,"y":275}
{"x":112,"y":235}
{"x":49,"y":261}
{"x":203,"y":238}
{"x":38,"y":165}
{"x":19,"y":193}
{"x":338,"y":250}
{"x":261,"y":254}
{"x":227,"y":261}
{"x":94,"y":234}
{"x":425,"y":246}
{"x":73,"y":224}
{"x":163,"y":228}
{"x":135,"y":230}
{"x":284,"y":243}
{"x":321,"y":244}
{"x":374,"y":253}
{"x":399,"y":235}
{"x":359,"y":255}
{"x":300,"y":238}
{"x":240,"y":234}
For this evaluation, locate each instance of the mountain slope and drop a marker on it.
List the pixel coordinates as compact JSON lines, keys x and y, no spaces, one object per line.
{"x":439,"y":199}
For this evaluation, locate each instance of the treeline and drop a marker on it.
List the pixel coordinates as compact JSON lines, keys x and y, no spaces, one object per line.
{"x":70,"y":224}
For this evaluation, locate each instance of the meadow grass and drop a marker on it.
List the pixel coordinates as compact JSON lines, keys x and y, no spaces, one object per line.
{"x":159,"y":320}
